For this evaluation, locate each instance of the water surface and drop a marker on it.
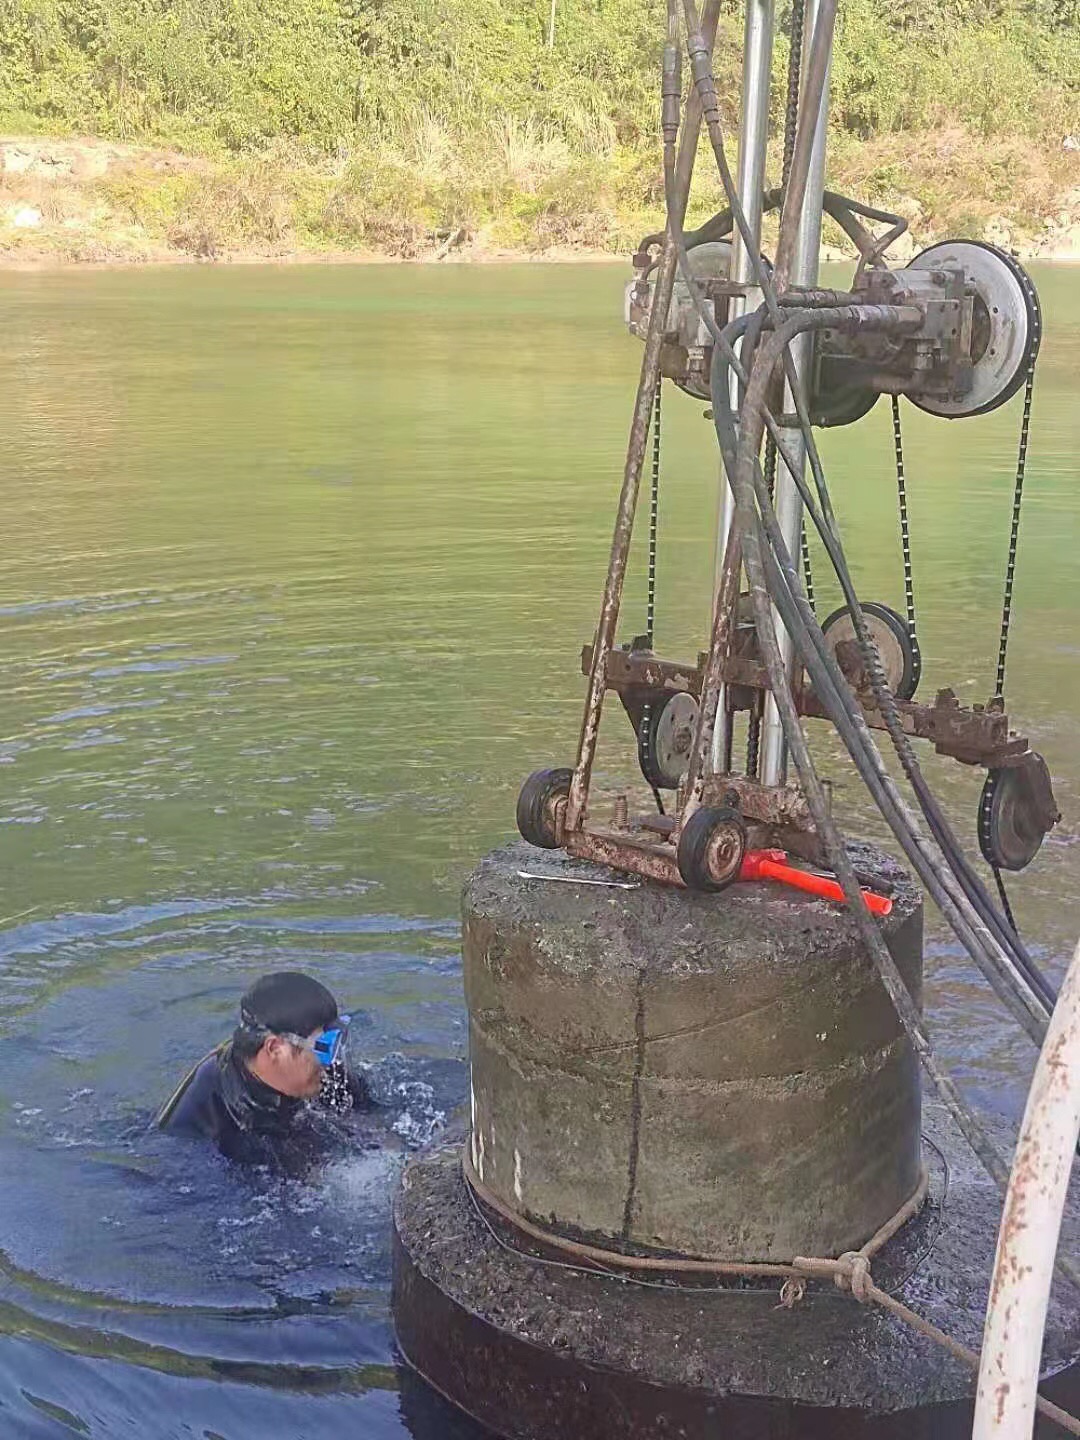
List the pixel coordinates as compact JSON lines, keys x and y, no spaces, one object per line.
{"x":298,"y":564}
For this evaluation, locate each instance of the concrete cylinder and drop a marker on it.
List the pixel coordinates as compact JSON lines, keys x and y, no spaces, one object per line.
{"x":713,"y":1075}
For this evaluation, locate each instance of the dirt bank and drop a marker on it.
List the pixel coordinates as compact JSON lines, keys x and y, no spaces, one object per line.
{"x":93,"y":202}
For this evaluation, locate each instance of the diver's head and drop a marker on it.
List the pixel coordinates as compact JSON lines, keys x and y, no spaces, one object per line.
{"x":289,"y":1032}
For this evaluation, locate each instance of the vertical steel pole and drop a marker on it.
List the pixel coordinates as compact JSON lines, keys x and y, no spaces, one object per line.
{"x":760,"y":29}
{"x":635,"y":454}
{"x":804,"y":271}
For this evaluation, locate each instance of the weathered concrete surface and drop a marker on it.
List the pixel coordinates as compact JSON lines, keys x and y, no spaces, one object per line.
{"x":536,"y":1351}
{"x":708,"y":1074}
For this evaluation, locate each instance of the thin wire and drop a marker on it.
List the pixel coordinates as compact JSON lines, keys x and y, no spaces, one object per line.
{"x":743,"y":1283}
{"x":932,"y":1245}
{"x":596,"y":1269}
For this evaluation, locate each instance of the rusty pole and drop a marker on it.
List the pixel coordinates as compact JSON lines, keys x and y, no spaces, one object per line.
{"x":635,"y":455}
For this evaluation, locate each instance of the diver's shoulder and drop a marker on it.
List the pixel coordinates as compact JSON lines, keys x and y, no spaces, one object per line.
{"x":186,"y":1110}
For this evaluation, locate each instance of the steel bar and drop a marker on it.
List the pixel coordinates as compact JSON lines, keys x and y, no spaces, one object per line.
{"x":759,"y":34}
{"x":635,"y":456}
{"x":797,"y":264}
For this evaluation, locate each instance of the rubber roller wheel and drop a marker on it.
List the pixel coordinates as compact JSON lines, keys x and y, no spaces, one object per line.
{"x":665,"y":739}
{"x":842,"y":406}
{"x":896,"y":644}
{"x":538,"y":807}
{"x":1013,"y":813}
{"x":711,"y":848}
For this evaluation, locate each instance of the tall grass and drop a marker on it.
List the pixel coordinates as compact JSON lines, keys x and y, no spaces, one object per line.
{"x":389,"y":123}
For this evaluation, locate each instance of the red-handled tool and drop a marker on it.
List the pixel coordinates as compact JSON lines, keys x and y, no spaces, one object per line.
{"x":772,"y":865}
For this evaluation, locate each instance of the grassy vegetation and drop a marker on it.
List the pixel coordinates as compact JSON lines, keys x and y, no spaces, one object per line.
{"x":393,"y":124}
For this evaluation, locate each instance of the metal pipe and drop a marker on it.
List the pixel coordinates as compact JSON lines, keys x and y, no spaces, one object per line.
{"x":813,"y":121}
{"x":635,"y":455}
{"x":805,"y":227}
{"x":1030,"y":1226}
{"x":759,"y":33}
{"x":753,"y":131}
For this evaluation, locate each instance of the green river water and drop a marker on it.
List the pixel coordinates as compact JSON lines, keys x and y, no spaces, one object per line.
{"x":298,"y":563}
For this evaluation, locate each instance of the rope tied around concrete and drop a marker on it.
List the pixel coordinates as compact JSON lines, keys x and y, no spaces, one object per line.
{"x":850,"y":1272}
{"x":800,"y":1268}
{"x":856,"y":1277}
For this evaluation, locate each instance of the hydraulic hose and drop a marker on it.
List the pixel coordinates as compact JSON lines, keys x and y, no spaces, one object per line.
{"x":890,"y":976}
{"x":835,"y":848}
{"x":1007,"y":980}
{"x":974,"y":894}
{"x":1002,"y":935}
{"x":969,"y":881}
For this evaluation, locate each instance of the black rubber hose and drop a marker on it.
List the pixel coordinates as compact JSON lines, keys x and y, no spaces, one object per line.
{"x":969,"y":883}
{"x":832,"y":682}
{"x":833,"y":690}
{"x":1004,"y":935}
{"x":1010,"y":983}
{"x":890,"y":975}
{"x":891,"y":978}
{"x":835,"y":848}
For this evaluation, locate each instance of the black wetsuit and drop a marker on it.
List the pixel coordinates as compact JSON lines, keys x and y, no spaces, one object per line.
{"x":246,"y":1119}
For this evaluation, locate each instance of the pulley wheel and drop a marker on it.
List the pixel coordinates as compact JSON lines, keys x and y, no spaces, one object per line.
{"x":841,"y":406}
{"x":1006,"y":326}
{"x":896,"y":645}
{"x":538,"y":808}
{"x":711,"y":848}
{"x":1016,"y":811}
{"x":665,"y":739}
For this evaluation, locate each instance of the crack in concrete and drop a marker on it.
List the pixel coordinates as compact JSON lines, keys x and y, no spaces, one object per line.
{"x":635,"y":1107}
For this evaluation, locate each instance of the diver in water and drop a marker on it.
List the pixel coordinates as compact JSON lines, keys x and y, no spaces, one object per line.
{"x":249,"y":1096}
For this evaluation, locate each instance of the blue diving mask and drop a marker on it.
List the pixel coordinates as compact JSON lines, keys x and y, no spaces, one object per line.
{"x":327,"y":1046}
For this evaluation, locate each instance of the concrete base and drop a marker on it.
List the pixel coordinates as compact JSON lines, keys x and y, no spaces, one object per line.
{"x":536,"y":1351}
{"x":718,"y":1075}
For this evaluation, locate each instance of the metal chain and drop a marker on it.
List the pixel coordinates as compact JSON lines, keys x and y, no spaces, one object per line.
{"x":1003,"y":894}
{"x":905,"y":530}
{"x":650,"y":587}
{"x":654,"y":508}
{"x":1010,"y":573}
{"x":1014,"y":532}
{"x":794,"y":85}
{"x":808,"y":573}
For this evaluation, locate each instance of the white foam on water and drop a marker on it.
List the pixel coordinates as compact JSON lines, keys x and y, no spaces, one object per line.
{"x":360,"y":1180}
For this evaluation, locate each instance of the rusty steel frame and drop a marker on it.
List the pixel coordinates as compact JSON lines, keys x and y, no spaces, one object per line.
{"x":626,"y":850}
{"x":974,"y":735}
{"x":635,"y":456}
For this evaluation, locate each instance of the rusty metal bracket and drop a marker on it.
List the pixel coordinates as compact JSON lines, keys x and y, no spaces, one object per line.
{"x":974,"y":735}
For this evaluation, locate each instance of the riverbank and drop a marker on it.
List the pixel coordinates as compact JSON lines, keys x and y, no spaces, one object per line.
{"x":82,"y":201}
